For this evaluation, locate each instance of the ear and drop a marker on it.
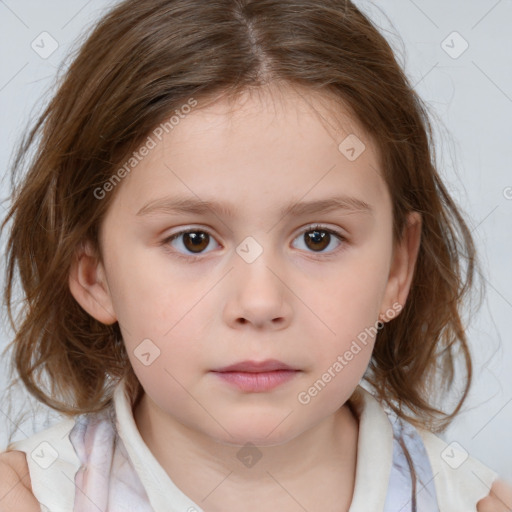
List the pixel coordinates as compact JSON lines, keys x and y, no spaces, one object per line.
{"x":402,"y":268}
{"x":88,"y":284}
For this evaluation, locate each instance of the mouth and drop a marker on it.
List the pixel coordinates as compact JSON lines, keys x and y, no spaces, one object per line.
{"x":269,"y":365}
{"x":256,"y":376}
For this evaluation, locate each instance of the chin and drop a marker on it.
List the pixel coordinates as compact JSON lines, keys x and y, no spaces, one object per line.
{"x":268,"y":432}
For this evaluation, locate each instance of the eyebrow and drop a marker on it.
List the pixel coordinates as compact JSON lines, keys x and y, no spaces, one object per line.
{"x":187,"y":205}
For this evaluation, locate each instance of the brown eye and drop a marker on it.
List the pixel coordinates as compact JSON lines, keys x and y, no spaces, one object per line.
{"x":317,"y":240}
{"x":192,"y":241}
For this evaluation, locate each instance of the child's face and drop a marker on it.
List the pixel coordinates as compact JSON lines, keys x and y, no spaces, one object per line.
{"x":261,"y":285}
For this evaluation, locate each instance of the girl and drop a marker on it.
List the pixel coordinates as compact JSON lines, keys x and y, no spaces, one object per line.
{"x":231,"y":220}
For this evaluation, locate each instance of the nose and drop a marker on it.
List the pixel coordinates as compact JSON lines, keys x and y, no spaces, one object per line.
{"x":258,"y":295}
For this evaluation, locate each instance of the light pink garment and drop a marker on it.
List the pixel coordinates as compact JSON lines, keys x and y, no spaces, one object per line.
{"x":106,"y":480}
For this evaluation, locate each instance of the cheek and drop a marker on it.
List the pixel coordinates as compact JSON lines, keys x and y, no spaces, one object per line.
{"x":152,"y":298}
{"x":168,"y":360}
{"x":162,"y":325}
{"x":334,"y":379}
{"x":352,"y":300}
{"x":349,"y":308}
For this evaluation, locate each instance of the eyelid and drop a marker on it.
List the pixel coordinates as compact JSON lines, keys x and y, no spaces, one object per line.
{"x":320,"y":226}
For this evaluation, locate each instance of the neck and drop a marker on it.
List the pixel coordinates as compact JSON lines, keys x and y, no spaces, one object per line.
{"x":314,"y":471}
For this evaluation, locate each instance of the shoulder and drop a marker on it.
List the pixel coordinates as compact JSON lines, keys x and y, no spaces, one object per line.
{"x":499,"y":498}
{"x":15,"y":486}
{"x":455,"y":469}
{"x":49,"y":465}
{"x":15,"y":462}
{"x":46,"y":446}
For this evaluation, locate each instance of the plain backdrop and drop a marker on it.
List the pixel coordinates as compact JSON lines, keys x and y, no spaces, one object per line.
{"x":457,"y":55}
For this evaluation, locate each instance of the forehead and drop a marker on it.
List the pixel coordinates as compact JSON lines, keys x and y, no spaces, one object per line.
{"x":276,"y":144}
{"x":306,"y":113}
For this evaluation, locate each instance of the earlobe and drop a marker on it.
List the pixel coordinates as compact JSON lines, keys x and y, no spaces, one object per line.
{"x":404,"y":263}
{"x":88,"y":284}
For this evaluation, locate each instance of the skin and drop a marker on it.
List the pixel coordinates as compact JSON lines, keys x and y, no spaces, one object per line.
{"x":214,"y":309}
{"x":15,"y":488}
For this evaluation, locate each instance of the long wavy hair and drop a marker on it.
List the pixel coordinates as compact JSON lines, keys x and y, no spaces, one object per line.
{"x":144,"y":60}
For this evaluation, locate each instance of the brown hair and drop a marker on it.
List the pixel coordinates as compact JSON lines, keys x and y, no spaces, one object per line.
{"x":144,"y":60}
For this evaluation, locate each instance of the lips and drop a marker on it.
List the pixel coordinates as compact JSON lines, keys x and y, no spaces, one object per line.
{"x":269,"y":365}
{"x":256,"y":376}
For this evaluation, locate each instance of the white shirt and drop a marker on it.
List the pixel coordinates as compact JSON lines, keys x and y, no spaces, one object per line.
{"x":120,"y":474}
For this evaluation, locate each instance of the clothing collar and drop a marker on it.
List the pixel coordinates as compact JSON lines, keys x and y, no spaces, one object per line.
{"x":373,"y":466}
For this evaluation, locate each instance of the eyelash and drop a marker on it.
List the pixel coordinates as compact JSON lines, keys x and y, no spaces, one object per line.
{"x":313,"y":227}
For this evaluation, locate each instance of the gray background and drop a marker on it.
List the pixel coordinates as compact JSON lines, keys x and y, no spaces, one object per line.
{"x":470,"y":96}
